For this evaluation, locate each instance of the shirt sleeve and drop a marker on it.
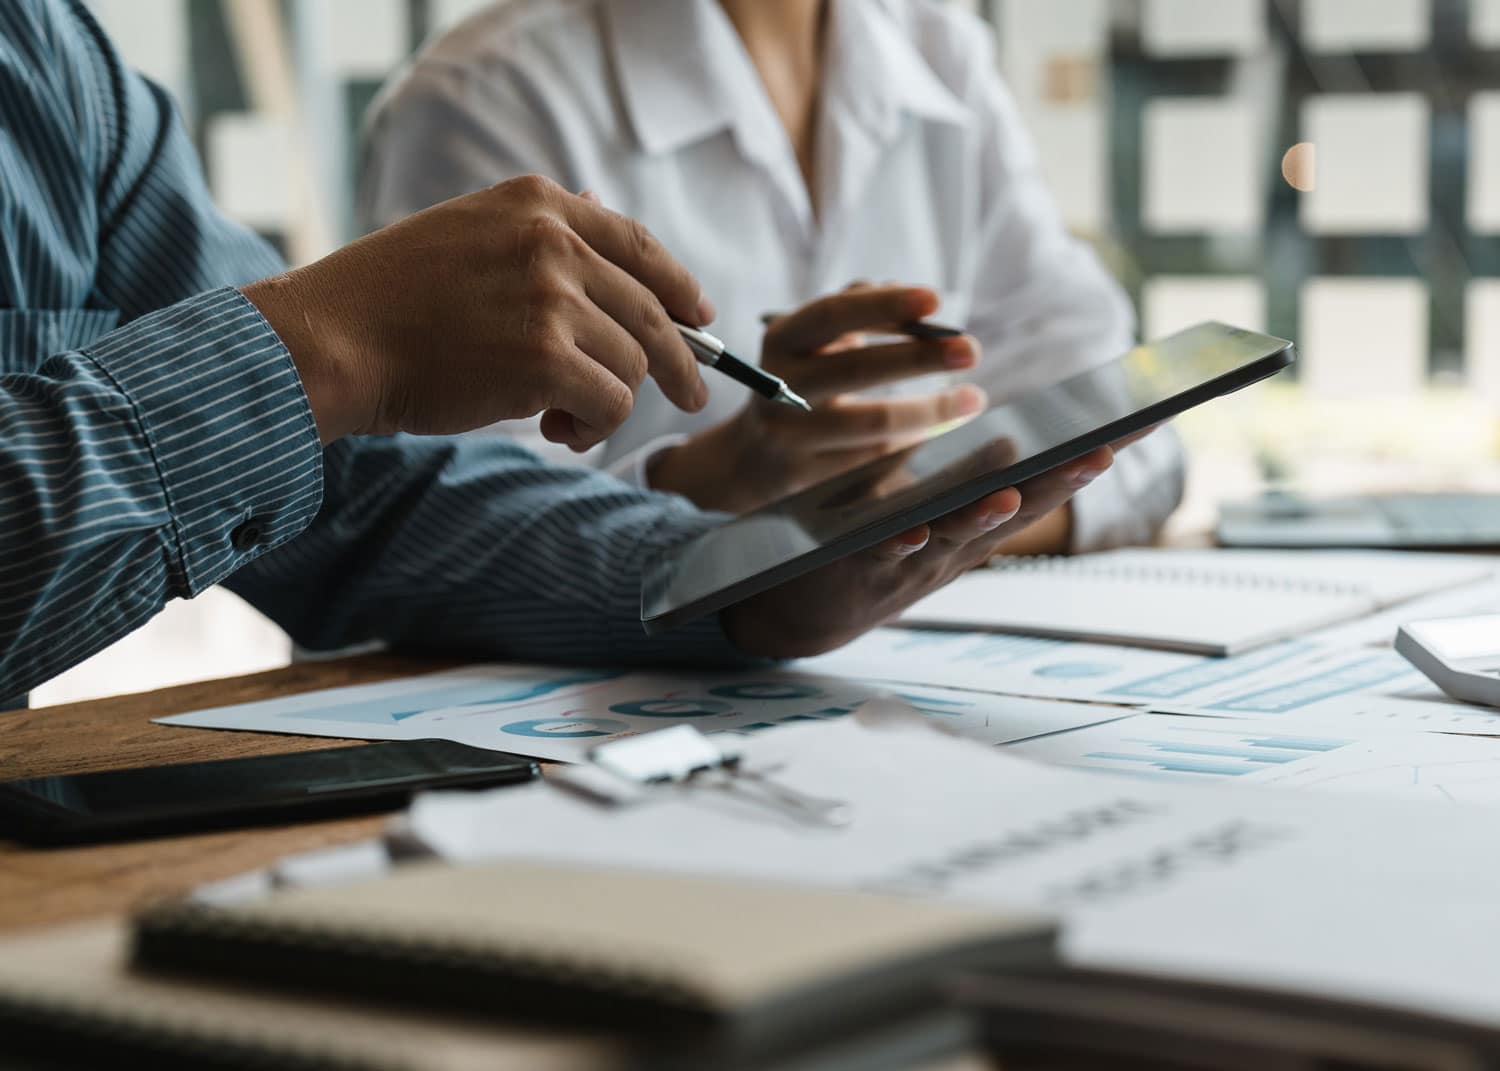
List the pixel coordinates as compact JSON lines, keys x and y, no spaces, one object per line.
{"x":142,"y":463}
{"x":145,"y":467}
{"x":1044,"y":309}
{"x":470,"y":544}
{"x":179,"y":450}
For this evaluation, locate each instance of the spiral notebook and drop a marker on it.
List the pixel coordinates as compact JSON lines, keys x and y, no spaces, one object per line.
{"x":1213,"y":602}
{"x":713,"y":972}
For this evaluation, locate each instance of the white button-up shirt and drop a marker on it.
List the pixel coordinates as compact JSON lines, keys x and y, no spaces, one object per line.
{"x":926,"y":177}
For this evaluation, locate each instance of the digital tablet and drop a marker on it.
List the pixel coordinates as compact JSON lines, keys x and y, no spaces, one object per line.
{"x":999,"y":448}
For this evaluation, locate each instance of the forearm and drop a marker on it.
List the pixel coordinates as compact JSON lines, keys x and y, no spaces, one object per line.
{"x":148,"y":466}
{"x":472,"y":545}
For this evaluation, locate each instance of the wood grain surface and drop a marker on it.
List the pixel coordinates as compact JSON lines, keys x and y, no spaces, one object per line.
{"x":43,"y":886}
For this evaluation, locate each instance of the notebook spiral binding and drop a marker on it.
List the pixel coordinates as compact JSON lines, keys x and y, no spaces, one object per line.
{"x":165,"y":931}
{"x":1057,"y":564}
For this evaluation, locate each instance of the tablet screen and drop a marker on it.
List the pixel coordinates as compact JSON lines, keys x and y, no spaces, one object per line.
{"x":1004,"y":445}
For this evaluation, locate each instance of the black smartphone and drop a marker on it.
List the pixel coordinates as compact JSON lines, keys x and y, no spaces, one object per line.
{"x":157,"y":800}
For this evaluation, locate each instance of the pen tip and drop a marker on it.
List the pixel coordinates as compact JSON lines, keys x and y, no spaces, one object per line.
{"x":787,"y":396}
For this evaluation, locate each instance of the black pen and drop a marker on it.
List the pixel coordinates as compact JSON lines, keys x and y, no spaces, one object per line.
{"x":923,"y":330}
{"x":919,"y":329}
{"x":711,"y":352}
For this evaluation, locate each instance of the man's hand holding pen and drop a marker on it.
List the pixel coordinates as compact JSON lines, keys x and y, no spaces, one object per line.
{"x":766,"y":450}
{"x":516,"y":300}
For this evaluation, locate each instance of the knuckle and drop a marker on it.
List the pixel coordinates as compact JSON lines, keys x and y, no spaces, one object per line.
{"x":653,"y":318}
{"x":634,"y":366}
{"x":638,"y":239}
{"x":616,"y":404}
{"x":531,"y":187}
{"x":547,"y":237}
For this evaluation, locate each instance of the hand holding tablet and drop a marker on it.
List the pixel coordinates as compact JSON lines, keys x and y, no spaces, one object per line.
{"x":838,"y":602}
{"x":842,"y":536}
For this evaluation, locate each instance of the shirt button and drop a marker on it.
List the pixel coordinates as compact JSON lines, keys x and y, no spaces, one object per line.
{"x":247,"y":536}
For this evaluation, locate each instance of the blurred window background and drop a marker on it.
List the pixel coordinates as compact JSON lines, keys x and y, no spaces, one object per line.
{"x":1327,"y":170}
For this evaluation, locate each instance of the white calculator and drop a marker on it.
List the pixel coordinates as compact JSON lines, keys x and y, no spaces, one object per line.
{"x":1461,"y":655}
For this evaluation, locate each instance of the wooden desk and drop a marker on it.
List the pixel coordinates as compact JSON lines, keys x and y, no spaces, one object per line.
{"x":57,"y":885}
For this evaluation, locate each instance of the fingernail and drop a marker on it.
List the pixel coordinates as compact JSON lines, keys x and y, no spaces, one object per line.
{"x":957,"y":353}
{"x":970,"y":401}
{"x":990,"y":521}
{"x":700,"y":396}
{"x":707,"y":314}
{"x":1086,"y":477}
{"x":906,"y":550}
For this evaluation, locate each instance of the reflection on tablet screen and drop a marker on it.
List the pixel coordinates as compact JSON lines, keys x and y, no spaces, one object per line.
{"x":1009,"y":442}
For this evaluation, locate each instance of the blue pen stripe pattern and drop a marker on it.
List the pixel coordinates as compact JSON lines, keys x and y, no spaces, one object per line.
{"x":155,"y":439}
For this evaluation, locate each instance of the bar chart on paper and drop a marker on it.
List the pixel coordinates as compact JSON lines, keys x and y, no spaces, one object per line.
{"x":561,"y":712}
{"x":1180,"y":748}
{"x":1261,"y":753}
{"x":1012,"y":665}
{"x":401,"y":709}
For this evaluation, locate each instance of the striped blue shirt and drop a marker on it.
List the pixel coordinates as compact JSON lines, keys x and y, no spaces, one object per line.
{"x":155,"y":439}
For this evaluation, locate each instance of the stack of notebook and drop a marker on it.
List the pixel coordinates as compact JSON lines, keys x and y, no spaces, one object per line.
{"x":552,"y":968}
{"x":520,"y":965}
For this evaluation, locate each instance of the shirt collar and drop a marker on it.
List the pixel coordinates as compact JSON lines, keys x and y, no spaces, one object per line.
{"x":667,"y":56}
{"x":881,"y":73}
{"x":662,"y":47}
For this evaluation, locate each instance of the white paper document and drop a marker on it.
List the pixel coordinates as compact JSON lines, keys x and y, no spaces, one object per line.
{"x":1296,"y":685}
{"x":1059,"y":669}
{"x":558,"y":713}
{"x":1358,"y":715}
{"x":1360,"y":898}
{"x":1379,"y":629}
{"x":1404,"y":764}
{"x":1350,"y":691}
{"x":1214,"y":602}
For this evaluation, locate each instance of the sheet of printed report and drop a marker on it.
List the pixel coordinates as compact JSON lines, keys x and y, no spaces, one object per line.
{"x":1342,"y":684}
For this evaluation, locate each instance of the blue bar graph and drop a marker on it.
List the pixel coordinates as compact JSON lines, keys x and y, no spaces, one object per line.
{"x":1176,"y":766}
{"x":396,"y":708}
{"x":1180,"y":682}
{"x":1189,"y":748}
{"x":1246,"y":753}
{"x":1358,"y":676}
{"x":931,"y":704}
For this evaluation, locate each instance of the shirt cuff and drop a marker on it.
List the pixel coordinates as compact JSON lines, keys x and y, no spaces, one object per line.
{"x":635,"y":467}
{"x":228,"y":426}
{"x":699,"y":642}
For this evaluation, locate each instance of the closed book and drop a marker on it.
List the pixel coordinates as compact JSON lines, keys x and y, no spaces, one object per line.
{"x":705,"y":971}
{"x":71,"y":998}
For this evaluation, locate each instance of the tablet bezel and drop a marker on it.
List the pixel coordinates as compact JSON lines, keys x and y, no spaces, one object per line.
{"x":954,"y":498}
